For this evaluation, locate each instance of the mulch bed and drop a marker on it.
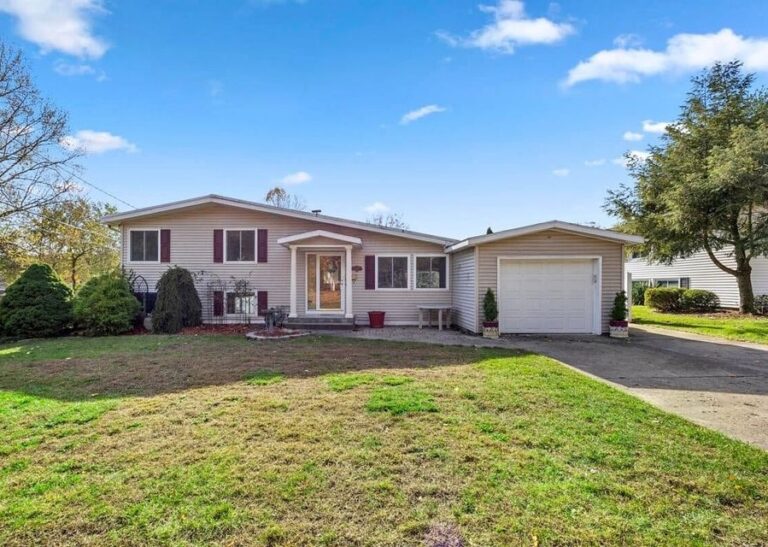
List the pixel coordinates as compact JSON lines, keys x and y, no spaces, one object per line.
{"x":220,"y":329}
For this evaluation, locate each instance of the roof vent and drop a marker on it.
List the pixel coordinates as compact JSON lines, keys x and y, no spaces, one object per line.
{"x":317,"y":211}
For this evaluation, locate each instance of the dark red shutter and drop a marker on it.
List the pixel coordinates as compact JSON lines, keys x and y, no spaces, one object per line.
{"x":261,"y":246}
{"x":218,"y":303}
{"x":165,"y":245}
{"x":370,"y":272}
{"x":262,"y":302}
{"x":218,"y":246}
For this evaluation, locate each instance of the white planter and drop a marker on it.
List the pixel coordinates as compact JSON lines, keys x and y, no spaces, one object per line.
{"x":491,"y":332}
{"x":619,"y":331}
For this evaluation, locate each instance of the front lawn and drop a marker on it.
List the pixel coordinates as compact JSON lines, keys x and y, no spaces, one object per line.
{"x":327,"y":441}
{"x":730,"y":326}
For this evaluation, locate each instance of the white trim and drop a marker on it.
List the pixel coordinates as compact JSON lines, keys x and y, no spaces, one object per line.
{"x":416,"y":257}
{"x":551,"y":225}
{"x":407,"y":277}
{"x":478,"y":319}
{"x":293,"y":309}
{"x":348,"y":309}
{"x":597,"y":269}
{"x":253,"y":206}
{"x":255,"y":245}
{"x":320,"y":233}
{"x":129,"y":261}
{"x":255,"y":304}
{"x":342,"y":297}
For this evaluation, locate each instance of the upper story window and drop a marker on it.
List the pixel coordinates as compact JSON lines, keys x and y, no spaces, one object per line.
{"x":240,"y":245}
{"x":432,"y":272}
{"x":392,"y":272}
{"x":144,"y":245}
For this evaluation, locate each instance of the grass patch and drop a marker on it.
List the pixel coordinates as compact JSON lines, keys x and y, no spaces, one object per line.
{"x":730,"y":326}
{"x":349,"y":380}
{"x":264,"y":378}
{"x":159,"y":440}
{"x":398,"y":400}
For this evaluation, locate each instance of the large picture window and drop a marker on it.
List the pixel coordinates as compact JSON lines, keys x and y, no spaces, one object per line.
{"x":240,"y":303}
{"x":392,"y":272}
{"x":240,"y":245}
{"x":144,"y":245}
{"x":431,"y":272}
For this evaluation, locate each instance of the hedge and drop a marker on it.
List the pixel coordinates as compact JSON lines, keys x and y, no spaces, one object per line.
{"x":37,"y":304}
{"x":178,"y":304}
{"x":105,"y":306}
{"x":669,"y":299}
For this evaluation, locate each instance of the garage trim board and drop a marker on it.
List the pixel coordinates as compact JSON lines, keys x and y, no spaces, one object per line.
{"x":596,"y":282}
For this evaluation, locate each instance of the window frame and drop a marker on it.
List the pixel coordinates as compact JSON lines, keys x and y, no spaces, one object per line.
{"x":130,"y":246}
{"x":255,"y":245}
{"x":255,"y":305}
{"x":416,"y":258}
{"x":666,"y":280}
{"x":407,"y":273}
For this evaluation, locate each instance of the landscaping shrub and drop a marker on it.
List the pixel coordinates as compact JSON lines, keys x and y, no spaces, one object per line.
{"x":761,"y":304}
{"x":105,"y":306}
{"x":638,"y":293}
{"x":619,"y":311}
{"x":37,"y":304}
{"x":700,"y":301}
{"x":178,"y":304}
{"x":490,"y":308}
{"x":664,"y":299}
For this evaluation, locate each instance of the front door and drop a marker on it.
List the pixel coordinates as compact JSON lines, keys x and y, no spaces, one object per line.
{"x":324,"y":282}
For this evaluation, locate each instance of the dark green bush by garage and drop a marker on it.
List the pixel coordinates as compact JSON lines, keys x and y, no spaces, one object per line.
{"x":37,"y":304}
{"x":178,"y":304}
{"x":699,"y":300}
{"x":105,"y":306}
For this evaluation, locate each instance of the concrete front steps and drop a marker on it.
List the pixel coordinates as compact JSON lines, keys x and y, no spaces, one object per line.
{"x":320,"y":323}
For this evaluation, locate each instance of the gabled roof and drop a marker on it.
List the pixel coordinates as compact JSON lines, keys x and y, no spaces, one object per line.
{"x":119,"y":218}
{"x":350,"y":240}
{"x":558,"y":225}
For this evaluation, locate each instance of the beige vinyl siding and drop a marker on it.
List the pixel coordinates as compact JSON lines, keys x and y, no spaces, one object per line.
{"x":192,"y":248}
{"x":702,"y":272}
{"x":553,"y":243}
{"x":463,"y":287}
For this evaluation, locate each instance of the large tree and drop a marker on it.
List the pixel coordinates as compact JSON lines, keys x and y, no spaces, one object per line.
{"x":36,"y":168}
{"x":280,"y":197}
{"x":705,"y":187}
{"x":69,"y":236}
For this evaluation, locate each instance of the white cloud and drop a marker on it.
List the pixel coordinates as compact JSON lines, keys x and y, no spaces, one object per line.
{"x":58,"y":25}
{"x":376,"y":208}
{"x":632,"y":136}
{"x":637,"y":154}
{"x":627,"y":40}
{"x":684,"y":52}
{"x":97,"y":142}
{"x":595,"y":163}
{"x":300,"y":177}
{"x":69,"y":69}
{"x":561,"y":172}
{"x":419,"y":113}
{"x":650,"y":126}
{"x":510,"y":28}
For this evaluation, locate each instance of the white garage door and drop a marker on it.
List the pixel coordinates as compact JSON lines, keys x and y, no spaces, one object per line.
{"x":547,"y":296}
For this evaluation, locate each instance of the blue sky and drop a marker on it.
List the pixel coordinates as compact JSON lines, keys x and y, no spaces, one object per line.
{"x":456,"y":114}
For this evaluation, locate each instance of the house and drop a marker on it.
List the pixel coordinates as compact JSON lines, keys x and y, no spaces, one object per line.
{"x":247,"y":257}
{"x":699,"y":272}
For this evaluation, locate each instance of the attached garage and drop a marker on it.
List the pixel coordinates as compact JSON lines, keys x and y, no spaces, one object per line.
{"x":549,"y":295}
{"x":553,"y":277}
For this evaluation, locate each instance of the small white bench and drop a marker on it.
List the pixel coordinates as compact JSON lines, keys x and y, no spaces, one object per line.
{"x":429,"y":308}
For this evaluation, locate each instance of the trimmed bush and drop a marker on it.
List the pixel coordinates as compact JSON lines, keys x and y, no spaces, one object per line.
{"x":700,"y":301}
{"x":619,"y":311}
{"x":37,"y":304}
{"x":664,"y":299}
{"x":105,"y":306}
{"x":178,"y":304}
{"x":490,"y":308}
{"x":638,"y":292}
{"x":761,"y":304}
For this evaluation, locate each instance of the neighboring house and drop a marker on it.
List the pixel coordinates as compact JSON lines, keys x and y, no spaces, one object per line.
{"x":699,"y":272}
{"x":248,"y":257}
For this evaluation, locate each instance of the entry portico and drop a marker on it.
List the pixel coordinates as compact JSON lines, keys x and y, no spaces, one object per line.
{"x":331,"y":271}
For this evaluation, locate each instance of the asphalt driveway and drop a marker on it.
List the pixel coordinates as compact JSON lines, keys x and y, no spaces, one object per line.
{"x":715,"y":384}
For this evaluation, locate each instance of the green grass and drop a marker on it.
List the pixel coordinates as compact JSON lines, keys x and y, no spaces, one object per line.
{"x":729,"y":326}
{"x":147,"y":440}
{"x":264,"y":378}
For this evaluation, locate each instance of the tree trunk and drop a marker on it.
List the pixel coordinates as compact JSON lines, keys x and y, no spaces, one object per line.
{"x":746,"y":294}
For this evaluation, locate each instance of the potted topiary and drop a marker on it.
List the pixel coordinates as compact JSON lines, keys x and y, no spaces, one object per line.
{"x":491,"y":314}
{"x":619,"y":326}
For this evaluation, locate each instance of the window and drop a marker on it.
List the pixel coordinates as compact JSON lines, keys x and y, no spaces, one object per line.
{"x":144,"y":245}
{"x":667,"y":282}
{"x":431,"y":272}
{"x":391,"y":272}
{"x":241,"y":303}
{"x":240,"y":245}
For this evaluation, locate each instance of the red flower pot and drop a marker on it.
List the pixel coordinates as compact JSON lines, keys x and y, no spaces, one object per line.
{"x":376,"y":319}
